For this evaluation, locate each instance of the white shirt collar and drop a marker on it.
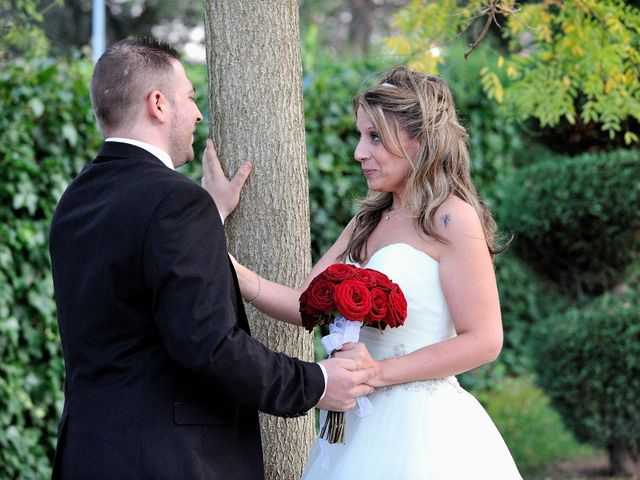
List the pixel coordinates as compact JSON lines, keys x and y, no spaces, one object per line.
{"x":153,"y":150}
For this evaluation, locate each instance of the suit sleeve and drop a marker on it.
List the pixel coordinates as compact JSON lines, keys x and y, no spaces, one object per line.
{"x":196,"y":310}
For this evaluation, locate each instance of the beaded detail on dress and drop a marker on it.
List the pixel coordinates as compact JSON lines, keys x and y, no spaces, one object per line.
{"x":430,"y":386}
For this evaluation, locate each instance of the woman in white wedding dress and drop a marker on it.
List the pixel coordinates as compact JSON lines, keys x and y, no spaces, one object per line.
{"x":424,"y":226}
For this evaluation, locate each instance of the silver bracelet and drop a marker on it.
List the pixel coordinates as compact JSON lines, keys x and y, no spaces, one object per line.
{"x":250,"y":302}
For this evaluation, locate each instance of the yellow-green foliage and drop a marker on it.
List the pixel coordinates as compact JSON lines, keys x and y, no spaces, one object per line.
{"x":586,"y":49}
{"x":573,"y":61}
{"x":424,"y":26}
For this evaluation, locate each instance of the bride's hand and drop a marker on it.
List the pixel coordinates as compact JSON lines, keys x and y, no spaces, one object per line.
{"x":226,"y":193}
{"x":359,"y":353}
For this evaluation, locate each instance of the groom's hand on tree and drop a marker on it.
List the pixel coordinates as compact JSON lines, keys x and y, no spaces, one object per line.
{"x":226,"y":193}
{"x":344,"y":383}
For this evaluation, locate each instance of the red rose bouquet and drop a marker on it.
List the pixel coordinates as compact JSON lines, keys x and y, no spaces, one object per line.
{"x":358,"y":294}
{"x":345,"y":297}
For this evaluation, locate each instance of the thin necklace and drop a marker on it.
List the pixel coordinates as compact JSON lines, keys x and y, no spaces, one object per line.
{"x":387,"y":215}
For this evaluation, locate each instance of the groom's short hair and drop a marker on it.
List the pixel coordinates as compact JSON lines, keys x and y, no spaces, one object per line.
{"x":125,"y":74}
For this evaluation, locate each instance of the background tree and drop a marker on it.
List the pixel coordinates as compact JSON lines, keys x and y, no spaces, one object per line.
{"x":350,"y":27}
{"x":255,"y":96}
{"x":572,"y":65}
{"x":170,"y":19}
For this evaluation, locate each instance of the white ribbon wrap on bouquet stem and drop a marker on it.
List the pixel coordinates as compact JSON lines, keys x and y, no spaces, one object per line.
{"x":342,"y":331}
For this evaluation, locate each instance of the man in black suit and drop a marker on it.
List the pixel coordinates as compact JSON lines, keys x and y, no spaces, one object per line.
{"x":163,"y":380}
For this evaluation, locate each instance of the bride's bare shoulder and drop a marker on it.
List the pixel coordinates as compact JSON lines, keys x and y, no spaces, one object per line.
{"x":456,"y":218}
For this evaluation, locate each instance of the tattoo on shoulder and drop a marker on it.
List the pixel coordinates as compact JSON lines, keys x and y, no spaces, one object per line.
{"x":446,"y":219}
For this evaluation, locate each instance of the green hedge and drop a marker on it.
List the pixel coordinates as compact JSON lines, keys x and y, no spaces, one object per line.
{"x":525,"y":299}
{"x":588,"y":361}
{"x":531,"y":428}
{"x":47,"y":133}
{"x":577,"y":220}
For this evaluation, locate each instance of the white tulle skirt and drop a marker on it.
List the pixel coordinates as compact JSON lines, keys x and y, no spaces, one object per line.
{"x":431,"y":430}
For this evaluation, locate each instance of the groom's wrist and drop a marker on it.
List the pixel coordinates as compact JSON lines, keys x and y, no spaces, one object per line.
{"x":326,"y":380}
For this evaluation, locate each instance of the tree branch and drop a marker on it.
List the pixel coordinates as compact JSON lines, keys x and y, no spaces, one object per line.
{"x":490,"y":12}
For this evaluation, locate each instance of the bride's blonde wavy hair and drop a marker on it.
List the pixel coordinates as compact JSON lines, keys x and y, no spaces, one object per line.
{"x":421,"y":106}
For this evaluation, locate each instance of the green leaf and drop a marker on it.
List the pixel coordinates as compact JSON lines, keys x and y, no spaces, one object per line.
{"x":36,"y":106}
{"x":70,"y":134}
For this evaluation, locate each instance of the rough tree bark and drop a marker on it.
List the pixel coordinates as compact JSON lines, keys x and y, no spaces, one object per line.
{"x":256,"y":114}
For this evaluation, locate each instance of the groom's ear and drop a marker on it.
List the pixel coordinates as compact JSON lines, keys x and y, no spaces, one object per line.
{"x":157,"y":106}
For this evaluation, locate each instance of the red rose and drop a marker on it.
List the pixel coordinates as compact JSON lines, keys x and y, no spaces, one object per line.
{"x":316,"y":303}
{"x":312,"y":320}
{"x":366,"y":276}
{"x":396,"y":309}
{"x":307,"y":313}
{"x":378,"y":306}
{"x":360,"y":295}
{"x":320,"y":295}
{"x":353,"y":300}
{"x":383,"y":281}
{"x":338,"y":272}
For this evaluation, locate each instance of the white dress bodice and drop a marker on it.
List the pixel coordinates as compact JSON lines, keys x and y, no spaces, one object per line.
{"x":428,"y":319}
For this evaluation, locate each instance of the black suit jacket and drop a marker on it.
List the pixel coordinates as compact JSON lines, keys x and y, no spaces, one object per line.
{"x":163,"y":380}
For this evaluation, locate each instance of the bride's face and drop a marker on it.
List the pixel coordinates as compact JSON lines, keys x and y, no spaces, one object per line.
{"x":385,"y":171}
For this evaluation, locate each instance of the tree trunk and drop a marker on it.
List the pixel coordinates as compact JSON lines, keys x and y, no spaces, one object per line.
{"x":256,"y":114}
{"x":361,"y":26}
{"x":617,"y":459}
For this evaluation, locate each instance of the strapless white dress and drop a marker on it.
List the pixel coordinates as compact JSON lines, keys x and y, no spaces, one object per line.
{"x":427,"y":430}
